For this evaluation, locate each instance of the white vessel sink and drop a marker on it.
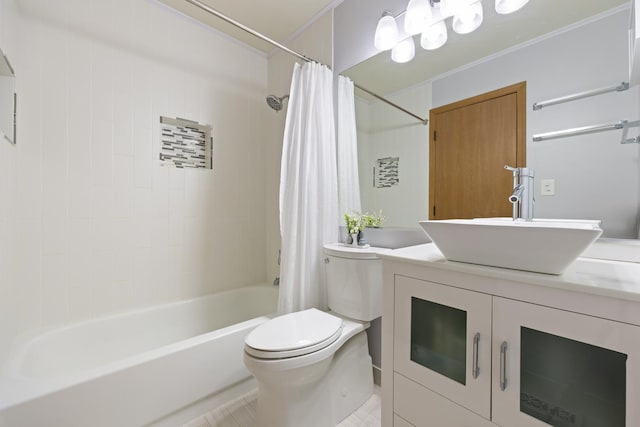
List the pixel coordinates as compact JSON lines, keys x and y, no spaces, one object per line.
{"x":542,"y":245}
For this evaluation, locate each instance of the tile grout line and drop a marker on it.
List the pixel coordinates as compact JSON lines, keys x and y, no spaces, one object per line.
{"x":241,"y":412}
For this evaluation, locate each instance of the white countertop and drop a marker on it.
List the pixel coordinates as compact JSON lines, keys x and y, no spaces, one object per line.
{"x":591,"y":273}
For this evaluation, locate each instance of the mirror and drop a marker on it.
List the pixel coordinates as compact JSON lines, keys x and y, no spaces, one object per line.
{"x":594,"y":176}
{"x":7,"y":100}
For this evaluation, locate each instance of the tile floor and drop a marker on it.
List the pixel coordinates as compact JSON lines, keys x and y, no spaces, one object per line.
{"x":241,"y":412}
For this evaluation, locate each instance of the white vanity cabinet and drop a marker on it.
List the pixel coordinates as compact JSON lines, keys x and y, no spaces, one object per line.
{"x":467,"y":350}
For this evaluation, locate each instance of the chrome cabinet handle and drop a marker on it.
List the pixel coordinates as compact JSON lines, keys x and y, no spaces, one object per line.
{"x":503,"y":366}
{"x":475,"y":369}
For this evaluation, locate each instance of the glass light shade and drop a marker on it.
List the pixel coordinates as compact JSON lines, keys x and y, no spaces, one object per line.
{"x":509,"y":6}
{"x":452,"y":7}
{"x":434,"y":36}
{"x":386,"y":36}
{"x":404,"y":51}
{"x":468,"y":19}
{"x":417,"y":17}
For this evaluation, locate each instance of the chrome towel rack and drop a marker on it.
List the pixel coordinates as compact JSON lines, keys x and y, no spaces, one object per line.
{"x":619,"y":88}
{"x":622,"y":124}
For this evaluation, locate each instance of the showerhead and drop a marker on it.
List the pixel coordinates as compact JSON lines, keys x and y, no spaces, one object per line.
{"x":276,"y":102}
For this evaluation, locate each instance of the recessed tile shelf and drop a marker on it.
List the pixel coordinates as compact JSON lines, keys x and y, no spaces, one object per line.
{"x":386,"y":172}
{"x":185,"y":143}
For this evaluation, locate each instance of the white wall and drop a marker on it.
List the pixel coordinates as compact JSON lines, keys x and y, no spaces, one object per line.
{"x":90,"y":223}
{"x":363,"y":133}
{"x":595,"y":176}
{"x":383,"y":132}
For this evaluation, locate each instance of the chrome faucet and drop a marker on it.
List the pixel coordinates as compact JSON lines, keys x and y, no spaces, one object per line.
{"x":522,"y":195}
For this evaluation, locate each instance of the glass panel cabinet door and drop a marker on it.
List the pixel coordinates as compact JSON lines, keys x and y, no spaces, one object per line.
{"x":439,"y":338}
{"x":562,"y":369}
{"x":442,"y":340}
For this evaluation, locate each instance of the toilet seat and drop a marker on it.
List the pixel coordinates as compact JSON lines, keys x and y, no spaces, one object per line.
{"x":294,"y":334}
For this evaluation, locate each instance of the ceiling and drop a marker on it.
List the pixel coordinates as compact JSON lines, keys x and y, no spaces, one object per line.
{"x":281,"y":19}
{"x":276,"y":19}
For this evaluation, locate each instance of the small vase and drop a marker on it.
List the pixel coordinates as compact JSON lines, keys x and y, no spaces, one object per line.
{"x":354,"y":239}
{"x":361,"y":240}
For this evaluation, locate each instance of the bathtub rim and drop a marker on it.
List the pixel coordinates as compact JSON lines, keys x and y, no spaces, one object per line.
{"x":18,"y":346}
{"x":29,"y":388}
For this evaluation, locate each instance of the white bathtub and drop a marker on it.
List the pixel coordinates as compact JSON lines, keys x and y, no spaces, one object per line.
{"x":135,"y":368}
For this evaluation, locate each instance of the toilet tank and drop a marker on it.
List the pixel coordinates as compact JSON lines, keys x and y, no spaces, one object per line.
{"x":354,"y":281}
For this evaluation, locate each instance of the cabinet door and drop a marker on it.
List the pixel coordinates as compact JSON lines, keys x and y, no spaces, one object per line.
{"x":553,"y":367}
{"x":442,"y":340}
{"x":422,"y":407}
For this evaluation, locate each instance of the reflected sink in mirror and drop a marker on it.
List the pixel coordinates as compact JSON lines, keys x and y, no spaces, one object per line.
{"x":542,"y":245}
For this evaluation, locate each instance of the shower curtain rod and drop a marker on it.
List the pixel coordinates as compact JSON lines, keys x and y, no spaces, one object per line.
{"x":375,"y":95}
{"x":237,"y":24}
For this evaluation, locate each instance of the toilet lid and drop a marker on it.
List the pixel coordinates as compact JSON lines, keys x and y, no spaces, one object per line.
{"x":294,"y":334}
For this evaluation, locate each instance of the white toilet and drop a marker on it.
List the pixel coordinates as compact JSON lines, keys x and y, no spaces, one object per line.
{"x":313,"y":368}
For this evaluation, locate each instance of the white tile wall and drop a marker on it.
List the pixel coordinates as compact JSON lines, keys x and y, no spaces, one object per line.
{"x":90,"y":223}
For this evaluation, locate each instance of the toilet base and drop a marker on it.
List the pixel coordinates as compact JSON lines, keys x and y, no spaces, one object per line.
{"x":320,"y":395}
{"x":352,"y":378}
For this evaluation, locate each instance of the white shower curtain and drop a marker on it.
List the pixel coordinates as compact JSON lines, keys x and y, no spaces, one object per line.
{"x":348,"y":181}
{"x":308,"y":188}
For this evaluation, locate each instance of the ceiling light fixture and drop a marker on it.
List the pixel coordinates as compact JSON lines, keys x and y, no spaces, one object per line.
{"x":452,"y":7}
{"x":404,"y":51}
{"x":434,"y":36}
{"x":428,"y":18}
{"x":418,"y":16}
{"x":386,"y":36}
{"x":509,"y":6}
{"x":467,"y":19}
